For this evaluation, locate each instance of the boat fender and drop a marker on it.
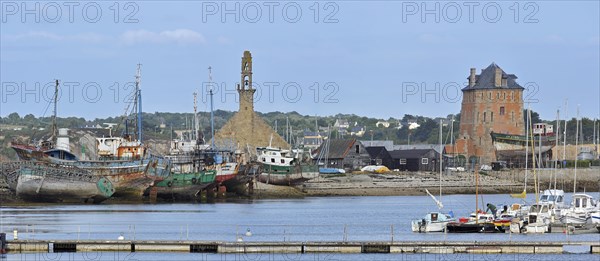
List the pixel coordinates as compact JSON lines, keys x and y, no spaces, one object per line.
{"x":169,"y":184}
{"x":194,"y":180}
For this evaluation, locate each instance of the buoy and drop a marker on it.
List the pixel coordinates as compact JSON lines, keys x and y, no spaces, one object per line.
{"x":121,"y":237}
{"x":248,"y":232}
{"x":240,"y":239}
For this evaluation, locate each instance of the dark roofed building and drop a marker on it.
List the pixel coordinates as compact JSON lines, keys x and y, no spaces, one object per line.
{"x":492,"y":77}
{"x":380,"y":156}
{"x":415,"y":160}
{"x":348,"y":154}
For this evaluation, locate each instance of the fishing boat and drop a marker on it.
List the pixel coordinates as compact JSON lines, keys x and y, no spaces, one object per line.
{"x":46,"y":182}
{"x":579,"y":214}
{"x":183,"y":186}
{"x":284,"y":167}
{"x":539,"y":218}
{"x":122,"y":160}
{"x":432,"y":222}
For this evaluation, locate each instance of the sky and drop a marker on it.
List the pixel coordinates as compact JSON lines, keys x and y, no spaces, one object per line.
{"x":371,"y":58}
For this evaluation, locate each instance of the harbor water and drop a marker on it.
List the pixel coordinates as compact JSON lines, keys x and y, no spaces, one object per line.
{"x":275,"y":220}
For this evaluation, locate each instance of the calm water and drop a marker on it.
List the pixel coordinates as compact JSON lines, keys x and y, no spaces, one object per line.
{"x":308,"y":219}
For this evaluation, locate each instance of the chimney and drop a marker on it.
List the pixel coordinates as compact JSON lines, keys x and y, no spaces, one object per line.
{"x":472,"y":78}
{"x":498,"y":77}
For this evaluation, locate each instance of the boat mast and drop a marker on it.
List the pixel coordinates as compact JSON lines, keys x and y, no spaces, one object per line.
{"x":452,"y":142}
{"x":527,"y":149}
{"x":576,"y":151}
{"x":195,"y":134}
{"x":138,"y":77}
{"x":441,"y":158}
{"x":557,"y":137}
{"x":535,"y":177}
{"x":212,"y":116}
{"x":54,"y":126}
{"x":565,"y":135}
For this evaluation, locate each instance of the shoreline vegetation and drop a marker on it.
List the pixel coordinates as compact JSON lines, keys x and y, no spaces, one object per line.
{"x":399,"y":184}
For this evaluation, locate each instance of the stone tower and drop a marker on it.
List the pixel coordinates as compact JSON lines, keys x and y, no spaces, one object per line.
{"x":247,"y":129}
{"x":244,"y":88}
{"x":492,"y":102}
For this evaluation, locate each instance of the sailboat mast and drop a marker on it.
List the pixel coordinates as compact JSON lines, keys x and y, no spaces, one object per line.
{"x":565,"y":135}
{"x":212,"y":115}
{"x":535,"y":177}
{"x":54,"y":126}
{"x":557,"y":137}
{"x":527,"y":149}
{"x":576,"y":151}
{"x":441,"y":158}
{"x":138,"y":79}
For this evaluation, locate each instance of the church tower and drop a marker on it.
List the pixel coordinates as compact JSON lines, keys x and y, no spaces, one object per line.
{"x":244,"y":88}
{"x":246,"y":129}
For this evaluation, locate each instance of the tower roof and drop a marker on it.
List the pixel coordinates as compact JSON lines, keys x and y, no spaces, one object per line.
{"x":487,"y":79}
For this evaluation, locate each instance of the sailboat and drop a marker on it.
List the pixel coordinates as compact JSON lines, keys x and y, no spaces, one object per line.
{"x":435,"y":221}
{"x":582,"y":205}
{"x":324,"y":156}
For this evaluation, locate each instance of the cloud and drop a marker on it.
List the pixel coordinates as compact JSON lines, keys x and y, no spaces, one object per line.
{"x":178,"y":36}
{"x":48,"y":36}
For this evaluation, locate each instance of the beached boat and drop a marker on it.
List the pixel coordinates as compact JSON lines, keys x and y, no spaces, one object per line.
{"x":284,"y":167}
{"x":45,"y":182}
{"x":124,"y":161}
{"x":183,"y":186}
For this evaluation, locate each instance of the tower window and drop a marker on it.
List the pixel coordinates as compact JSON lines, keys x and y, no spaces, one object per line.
{"x":502,"y":110}
{"x":484,"y":116}
{"x":492,"y":116}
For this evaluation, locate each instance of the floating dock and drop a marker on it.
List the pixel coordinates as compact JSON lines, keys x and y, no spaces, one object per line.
{"x":434,"y":247}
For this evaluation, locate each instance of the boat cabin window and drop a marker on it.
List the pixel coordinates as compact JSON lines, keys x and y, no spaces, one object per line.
{"x":584,"y":203}
{"x":544,"y":198}
{"x":545,"y":209}
{"x":577,"y":202}
{"x":282,"y":161}
{"x":534,"y":208}
{"x":272,"y":160}
{"x":264,"y":160}
{"x":434,"y":216}
{"x":560,"y":199}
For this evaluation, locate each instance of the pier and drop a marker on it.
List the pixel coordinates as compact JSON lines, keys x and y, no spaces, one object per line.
{"x":433,"y":247}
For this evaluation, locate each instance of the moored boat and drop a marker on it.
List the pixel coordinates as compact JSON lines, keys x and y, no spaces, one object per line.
{"x":432,"y":222}
{"x":579,"y":214}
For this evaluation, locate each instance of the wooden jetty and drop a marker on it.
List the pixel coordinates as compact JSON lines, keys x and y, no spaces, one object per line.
{"x":437,"y":247}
